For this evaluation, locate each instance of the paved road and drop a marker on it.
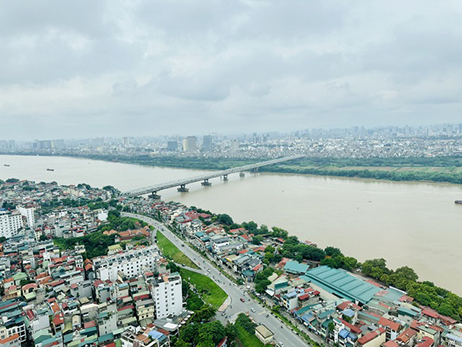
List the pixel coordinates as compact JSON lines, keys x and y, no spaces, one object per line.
{"x":261,"y":315}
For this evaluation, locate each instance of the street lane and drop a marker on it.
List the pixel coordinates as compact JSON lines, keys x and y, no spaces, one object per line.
{"x":282,"y":333}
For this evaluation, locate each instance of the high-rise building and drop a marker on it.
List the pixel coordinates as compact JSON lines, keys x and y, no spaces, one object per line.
{"x":234,"y":145}
{"x":207,"y":143}
{"x":190,"y":144}
{"x":131,"y":263}
{"x":28,"y":212}
{"x":97,"y":142}
{"x":126,"y":141}
{"x":167,"y":295}
{"x":172,"y":146}
{"x":10,"y":223}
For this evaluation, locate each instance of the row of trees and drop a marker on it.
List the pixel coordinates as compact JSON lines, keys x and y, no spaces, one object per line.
{"x":425,"y":293}
{"x":96,"y":244}
{"x":118,"y":223}
{"x":449,"y":177}
{"x":405,"y":278}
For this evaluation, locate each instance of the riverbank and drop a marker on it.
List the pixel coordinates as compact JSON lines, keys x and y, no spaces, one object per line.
{"x":369,"y":218}
{"x":434,"y":169}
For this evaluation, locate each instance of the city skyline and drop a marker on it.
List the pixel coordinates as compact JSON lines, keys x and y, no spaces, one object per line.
{"x":138,"y":69}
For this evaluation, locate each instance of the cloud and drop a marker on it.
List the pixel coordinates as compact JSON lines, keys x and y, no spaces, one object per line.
{"x":183,"y":66}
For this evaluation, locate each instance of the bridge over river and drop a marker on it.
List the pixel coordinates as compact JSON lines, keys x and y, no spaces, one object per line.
{"x":181,"y":184}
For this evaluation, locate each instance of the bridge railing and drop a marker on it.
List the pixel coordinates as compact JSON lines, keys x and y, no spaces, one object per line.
{"x":176,"y":183}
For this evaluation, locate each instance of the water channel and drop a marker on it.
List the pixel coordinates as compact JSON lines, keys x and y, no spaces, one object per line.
{"x":413,"y":224}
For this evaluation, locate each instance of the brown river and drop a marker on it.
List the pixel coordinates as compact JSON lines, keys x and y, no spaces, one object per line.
{"x":413,"y":224}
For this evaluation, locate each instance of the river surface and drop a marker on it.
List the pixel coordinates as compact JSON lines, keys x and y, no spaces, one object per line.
{"x":413,"y":224}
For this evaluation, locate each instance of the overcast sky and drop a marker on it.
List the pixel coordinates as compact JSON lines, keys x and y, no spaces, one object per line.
{"x":96,"y":68}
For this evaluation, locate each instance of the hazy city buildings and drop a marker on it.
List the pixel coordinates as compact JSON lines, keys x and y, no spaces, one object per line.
{"x":207,"y":144}
{"x":190,"y":144}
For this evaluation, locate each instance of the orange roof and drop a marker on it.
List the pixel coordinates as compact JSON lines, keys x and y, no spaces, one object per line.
{"x":406,"y":335}
{"x":372,"y":335}
{"x":9,"y":339}
{"x":388,"y":323}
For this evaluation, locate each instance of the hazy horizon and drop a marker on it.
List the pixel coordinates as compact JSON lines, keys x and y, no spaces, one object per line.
{"x":91,"y":69}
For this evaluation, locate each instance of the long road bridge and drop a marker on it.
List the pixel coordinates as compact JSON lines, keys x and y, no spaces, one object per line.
{"x":204,"y":178}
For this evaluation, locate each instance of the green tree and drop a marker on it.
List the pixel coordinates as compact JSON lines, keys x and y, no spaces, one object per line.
{"x":225,"y":219}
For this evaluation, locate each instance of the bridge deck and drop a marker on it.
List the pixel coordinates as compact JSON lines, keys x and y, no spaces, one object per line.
{"x":177,"y":183}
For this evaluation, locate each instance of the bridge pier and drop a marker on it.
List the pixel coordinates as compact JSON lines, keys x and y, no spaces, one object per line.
{"x":225,"y":177}
{"x":241,"y":174}
{"x":154,"y":196}
{"x":206,"y":183}
{"x":183,"y":189}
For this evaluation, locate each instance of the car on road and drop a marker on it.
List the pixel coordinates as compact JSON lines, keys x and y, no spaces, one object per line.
{"x":242,"y":299}
{"x":252,"y":309}
{"x":280,"y":344}
{"x":223,"y":314}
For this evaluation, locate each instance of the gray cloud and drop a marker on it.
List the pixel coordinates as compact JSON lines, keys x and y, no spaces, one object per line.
{"x":144,"y":68}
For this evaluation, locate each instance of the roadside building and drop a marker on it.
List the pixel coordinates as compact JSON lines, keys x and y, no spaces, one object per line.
{"x":167,"y":294}
{"x":265,"y":335}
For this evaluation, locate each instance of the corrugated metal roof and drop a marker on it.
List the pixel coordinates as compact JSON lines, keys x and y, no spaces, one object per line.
{"x":340,"y":282}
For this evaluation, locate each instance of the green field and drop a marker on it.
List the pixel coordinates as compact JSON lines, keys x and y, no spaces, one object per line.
{"x":170,"y":251}
{"x":210,"y":292}
{"x":247,"y":339}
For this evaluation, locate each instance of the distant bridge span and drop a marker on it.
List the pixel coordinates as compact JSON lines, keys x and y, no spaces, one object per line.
{"x":204,"y":178}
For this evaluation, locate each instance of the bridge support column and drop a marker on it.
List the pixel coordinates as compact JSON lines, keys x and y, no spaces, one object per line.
{"x":154,"y":196}
{"x":241,"y":174}
{"x":225,"y":178}
{"x":206,"y":183}
{"x":183,"y":189}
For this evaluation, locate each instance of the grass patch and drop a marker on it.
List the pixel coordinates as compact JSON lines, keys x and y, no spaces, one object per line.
{"x":170,"y":251}
{"x":247,"y":339}
{"x":210,"y":292}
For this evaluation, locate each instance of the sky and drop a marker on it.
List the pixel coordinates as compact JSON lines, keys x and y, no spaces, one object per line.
{"x":79,"y":69}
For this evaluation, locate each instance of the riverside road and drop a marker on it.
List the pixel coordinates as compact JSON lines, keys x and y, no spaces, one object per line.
{"x":282,"y":333}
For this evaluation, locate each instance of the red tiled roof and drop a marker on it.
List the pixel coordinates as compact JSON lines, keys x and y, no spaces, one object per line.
{"x":430,"y":313}
{"x":388,"y":323}
{"x":350,"y":326}
{"x":426,"y":342}
{"x":406,"y":335}
{"x":390,"y":343}
{"x":90,"y":324}
{"x":372,"y":335}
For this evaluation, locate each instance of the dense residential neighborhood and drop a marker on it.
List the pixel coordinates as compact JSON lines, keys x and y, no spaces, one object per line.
{"x":78,"y":269}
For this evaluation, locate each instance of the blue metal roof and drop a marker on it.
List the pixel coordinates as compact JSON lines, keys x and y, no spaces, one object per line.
{"x":343,"y":333}
{"x":341,"y":283}
{"x":156,"y":334}
{"x":295,"y":267}
{"x":348,"y":312}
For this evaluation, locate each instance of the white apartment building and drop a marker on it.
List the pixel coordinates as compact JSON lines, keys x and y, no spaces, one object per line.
{"x":167,"y":295}
{"x":28,"y":212}
{"x":10,"y":223}
{"x":131,"y":263}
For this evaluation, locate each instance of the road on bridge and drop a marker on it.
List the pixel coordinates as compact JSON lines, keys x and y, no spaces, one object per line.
{"x":282,"y":333}
{"x":205,"y":177}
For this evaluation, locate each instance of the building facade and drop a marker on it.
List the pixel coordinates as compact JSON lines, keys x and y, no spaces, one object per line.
{"x":10,"y":223}
{"x":167,"y":295}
